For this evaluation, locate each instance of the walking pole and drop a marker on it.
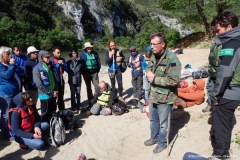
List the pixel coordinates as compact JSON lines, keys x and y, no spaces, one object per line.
{"x":168,"y":131}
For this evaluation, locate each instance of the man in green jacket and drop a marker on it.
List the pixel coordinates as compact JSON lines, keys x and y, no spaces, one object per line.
{"x":163,"y":74}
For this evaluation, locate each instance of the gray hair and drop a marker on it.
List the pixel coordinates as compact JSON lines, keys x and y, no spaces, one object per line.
{"x":4,"y":49}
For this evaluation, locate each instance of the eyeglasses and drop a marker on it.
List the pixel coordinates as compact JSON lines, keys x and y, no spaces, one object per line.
{"x":29,"y":98}
{"x":155,"y":44}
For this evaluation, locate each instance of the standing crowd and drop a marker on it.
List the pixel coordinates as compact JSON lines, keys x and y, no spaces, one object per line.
{"x":155,"y":78}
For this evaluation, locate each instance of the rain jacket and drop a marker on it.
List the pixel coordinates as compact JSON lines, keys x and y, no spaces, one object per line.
{"x":191,"y":95}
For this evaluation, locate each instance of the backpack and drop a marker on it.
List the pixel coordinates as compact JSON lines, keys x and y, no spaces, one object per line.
{"x":68,"y":119}
{"x":57,"y":132}
{"x":201,"y":73}
{"x":119,"y":108}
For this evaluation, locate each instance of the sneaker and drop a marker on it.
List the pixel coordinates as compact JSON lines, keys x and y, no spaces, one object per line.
{"x":158,"y":149}
{"x":149,"y":142}
{"x":206,"y":109}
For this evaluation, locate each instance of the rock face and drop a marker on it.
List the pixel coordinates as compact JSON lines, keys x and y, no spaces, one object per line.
{"x":92,"y":18}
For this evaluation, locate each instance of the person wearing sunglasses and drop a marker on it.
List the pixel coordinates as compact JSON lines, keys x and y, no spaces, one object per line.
{"x":25,"y":124}
{"x":31,"y":62}
{"x":225,"y":95}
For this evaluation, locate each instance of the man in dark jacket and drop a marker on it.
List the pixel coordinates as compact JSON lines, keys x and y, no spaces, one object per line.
{"x":90,"y":68}
{"x":74,"y":79}
{"x":225,"y":95}
{"x":31,"y":62}
{"x":102,"y":100}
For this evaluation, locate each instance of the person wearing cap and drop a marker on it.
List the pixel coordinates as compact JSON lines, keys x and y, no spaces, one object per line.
{"x":74,"y":79}
{"x":10,"y":85}
{"x":45,"y":77}
{"x":146,"y":84}
{"x":20,"y":61}
{"x":31,"y":62}
{"x":114,"y":59}
{"x":91,"y":66}
{"x":137,"y":62}
{"x":60,"y":65}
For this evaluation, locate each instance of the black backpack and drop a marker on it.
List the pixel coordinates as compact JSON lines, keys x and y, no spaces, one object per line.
{"x":119,"y":108}
{"x":68,"y":119}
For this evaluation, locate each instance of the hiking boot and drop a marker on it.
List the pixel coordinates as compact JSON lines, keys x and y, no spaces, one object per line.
{"x":218,"y":158}
{"x":206,"y":109}
{"x":158,"y":149}
{"x":149,"y":142}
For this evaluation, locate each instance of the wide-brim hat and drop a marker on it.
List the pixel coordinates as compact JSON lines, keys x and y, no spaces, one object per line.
{"x":31,"y":49}
{"x":88,"y":44}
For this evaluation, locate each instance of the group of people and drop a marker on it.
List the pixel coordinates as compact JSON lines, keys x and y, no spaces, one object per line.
{"x":157,"y":73}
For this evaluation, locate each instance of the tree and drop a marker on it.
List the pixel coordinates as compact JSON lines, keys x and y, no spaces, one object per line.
{"x":197,"y":11}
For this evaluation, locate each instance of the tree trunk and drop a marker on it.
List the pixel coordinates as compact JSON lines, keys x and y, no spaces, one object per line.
{"x":204,"y":19}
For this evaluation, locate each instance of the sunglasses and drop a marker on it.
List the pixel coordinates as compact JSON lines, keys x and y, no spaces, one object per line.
{"x":29,"y":98}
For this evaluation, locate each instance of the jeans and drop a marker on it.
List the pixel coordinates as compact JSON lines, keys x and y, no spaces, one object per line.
{"x":117,"y":76}
{"x":34,"y":143}
{"x":6,"y":103}
{"x":137,"y":83}
{"x":146,"y":87}
{"x":159,"y":122}
{"x":88,"y":78}
{"x":75,"y":96}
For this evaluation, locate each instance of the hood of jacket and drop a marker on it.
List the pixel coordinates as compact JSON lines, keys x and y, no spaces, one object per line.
{"x":17,"y":99}
{"x":229,"y":35}
{"x":200,"y":84}
{"x":42,"y":53}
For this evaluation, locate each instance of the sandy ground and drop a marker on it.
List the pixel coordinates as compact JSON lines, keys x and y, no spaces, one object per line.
{"x":122,"y":137}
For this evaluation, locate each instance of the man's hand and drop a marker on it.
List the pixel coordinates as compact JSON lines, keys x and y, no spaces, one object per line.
{"x":88,"y":113}
{"x":12,"y":61}
{"x":111,"y":53}
{"x":108,"y":110}
{"x":37,"y":133}
{"x":60,"y":61}
{"x":150,"y":76}
{"x":119,"y":59}
{"x":55,"y":93}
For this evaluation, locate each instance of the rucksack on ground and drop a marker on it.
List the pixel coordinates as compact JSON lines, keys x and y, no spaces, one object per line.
{"x":57,"y":132}
{"x":119,"y":108}
{"x":68,"y":119}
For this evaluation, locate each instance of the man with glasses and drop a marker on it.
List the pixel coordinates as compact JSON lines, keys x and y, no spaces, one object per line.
{"x":163,"y":75}
{"x":45,"y":77}
{"x":225,"y":95}
{"x":32,"y":61}
{"x":10,"y":85}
